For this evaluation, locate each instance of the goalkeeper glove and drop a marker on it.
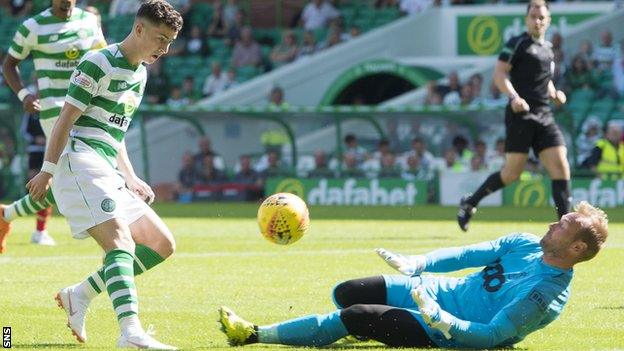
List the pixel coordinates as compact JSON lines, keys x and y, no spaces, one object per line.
{"x":408,"y":265}
{"x":431,"y":312}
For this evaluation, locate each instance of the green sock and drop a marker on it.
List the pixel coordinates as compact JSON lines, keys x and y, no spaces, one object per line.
{"x":26,"y":206}
{"x":144,"y":259}
{"x":119,"y":275}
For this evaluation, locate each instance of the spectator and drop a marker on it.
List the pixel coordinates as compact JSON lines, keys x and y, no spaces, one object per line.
{"x":460,"y":145}
{"x":351,"y":167}
{"x":389,"y":168}
{"x":383,"y":147}
{"x":230,"y":13}
{"x":309,"y":46}
{"x":466,"y":95}
{"x":276,"y":97}
{"x":234,"y":29}
{"x":352,"y":148}
{"x":176,"y":100}
{"x":476,"y":84}
{"x":586,"y":52}
{"x":188,"y":89}
{"x":556,"y":40}
{"x":451,"y":93}
{"x":285,"y":52}
{"x":586,"y":140}
{"x":450,"y":163}
{"x":232,"y":80}
{"x":216,"y":82}
{"x":560,"y":68}
{"x":495,"y":98}
{"x":247,"y":51}
{"x":480,"y":149}
{"x":196,"y":44}
{"x":205,"y":149}
{"x":579,"y":76}
{"x":419,"y":148}
{"x":412,"y":7}
{"x":274,"y":167}
{"x":19,"y":8}
{"x":413,"y":169}
{"x":187,"y":178}
{"x":123,"y":7}
{"x":321,"y":168}
{"x":606,"y":53}
{"x":246,"y":174}
{"x":210,"y":174}
{"x":334,"y":37}
{"x":477,"y":164}
{"x":496,"y":160}
{"x":317,"y":14}
{"x":607,"y":157}
{"x":433,"y":97}
{"x":354,"y":32}
{"x":157,"y":85}
{"x":217,"y":27}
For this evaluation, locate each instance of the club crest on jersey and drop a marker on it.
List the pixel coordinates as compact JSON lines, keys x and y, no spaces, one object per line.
{"x":72,"y":53}
{"x":130,"y":105}
{"x":121,"y":121}
{"x":81,"y":80}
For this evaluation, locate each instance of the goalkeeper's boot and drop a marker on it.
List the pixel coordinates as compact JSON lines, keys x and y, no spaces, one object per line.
{"x":76,"y":307}
{"x":5,"y":229}
{"x":238,"y":331}
{"x":465,"y":212}
{"x":142,"y":341}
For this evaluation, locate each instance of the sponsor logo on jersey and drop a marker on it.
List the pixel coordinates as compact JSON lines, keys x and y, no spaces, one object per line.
{"x":66,"y":64}
{"x":121,"y":121}
{"x":81,"y":80}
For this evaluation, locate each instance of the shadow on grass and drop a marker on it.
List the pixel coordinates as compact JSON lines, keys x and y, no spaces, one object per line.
{"x":610,"y":308}
{"x":46,"y":346}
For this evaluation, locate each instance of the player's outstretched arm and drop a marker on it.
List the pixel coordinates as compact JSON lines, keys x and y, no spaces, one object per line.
{"x":39,"y":185}
{"x":134,"y":183}
{"x":408,"y":265}
{"x":450,"y":259}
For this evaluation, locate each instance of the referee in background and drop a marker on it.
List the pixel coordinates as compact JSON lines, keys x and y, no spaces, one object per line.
{"x":524,"y":73}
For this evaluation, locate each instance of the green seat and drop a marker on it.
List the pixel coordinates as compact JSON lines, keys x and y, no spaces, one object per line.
{"x":247,"y":72}
{"x":602,"y":108}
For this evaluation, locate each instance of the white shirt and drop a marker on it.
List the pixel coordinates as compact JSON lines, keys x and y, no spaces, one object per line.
{"x":412,"y":7}
{"x":214,"y":85}
{"x":315,"y":17}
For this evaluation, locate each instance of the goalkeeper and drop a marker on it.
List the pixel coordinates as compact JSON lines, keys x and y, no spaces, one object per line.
{"x":523,"y":287}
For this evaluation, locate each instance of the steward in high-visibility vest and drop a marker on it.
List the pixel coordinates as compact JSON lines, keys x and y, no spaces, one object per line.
{"x":611,"y":159}
{"x":607,"y":157}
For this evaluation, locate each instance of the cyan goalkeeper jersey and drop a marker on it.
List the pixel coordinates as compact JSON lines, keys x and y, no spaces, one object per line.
{"x":515,"y":294}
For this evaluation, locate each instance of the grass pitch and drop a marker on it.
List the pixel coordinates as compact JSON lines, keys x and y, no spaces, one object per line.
{"x":222,"y":260}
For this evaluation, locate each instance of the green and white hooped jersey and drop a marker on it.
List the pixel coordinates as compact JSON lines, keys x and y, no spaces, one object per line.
{"x":108,"y":89}
{"x":56,"y":45}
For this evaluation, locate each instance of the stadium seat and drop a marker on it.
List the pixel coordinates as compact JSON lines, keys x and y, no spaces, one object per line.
{"x":602,"y":108}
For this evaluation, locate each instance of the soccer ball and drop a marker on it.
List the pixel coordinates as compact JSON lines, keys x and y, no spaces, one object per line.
{"x":283,"y":218}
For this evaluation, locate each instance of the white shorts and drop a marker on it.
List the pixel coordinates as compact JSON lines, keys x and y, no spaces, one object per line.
{"x":89,"y":191}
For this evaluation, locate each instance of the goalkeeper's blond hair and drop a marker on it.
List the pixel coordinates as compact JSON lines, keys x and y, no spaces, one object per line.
{"x":594,"y":229}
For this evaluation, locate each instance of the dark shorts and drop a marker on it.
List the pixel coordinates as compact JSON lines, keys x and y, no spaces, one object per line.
{"x":35,"y":160}
{"x":527,"y":130}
